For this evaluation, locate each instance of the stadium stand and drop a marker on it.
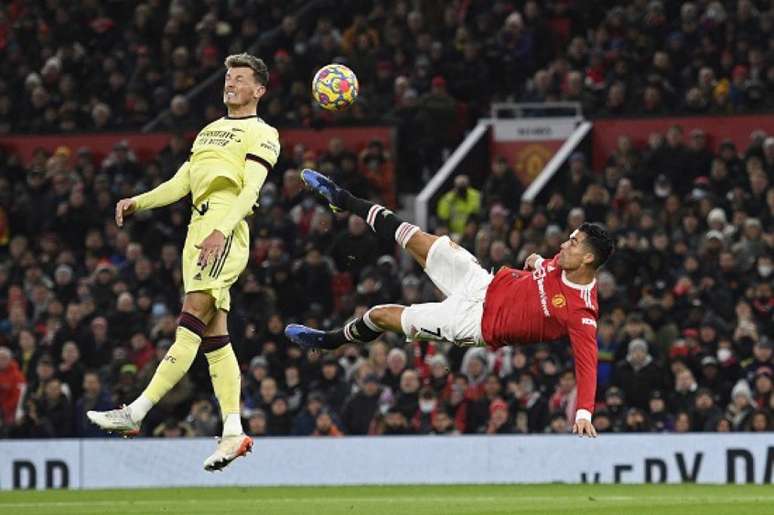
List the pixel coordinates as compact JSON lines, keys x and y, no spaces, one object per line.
{"x":87,"y":311}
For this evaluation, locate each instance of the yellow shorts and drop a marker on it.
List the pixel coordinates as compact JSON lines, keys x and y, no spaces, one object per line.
{"x":216,"y":278}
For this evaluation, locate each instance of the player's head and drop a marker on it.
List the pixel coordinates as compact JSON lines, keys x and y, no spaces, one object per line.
{"x":246,"y":80}
{"x":589,"y":245}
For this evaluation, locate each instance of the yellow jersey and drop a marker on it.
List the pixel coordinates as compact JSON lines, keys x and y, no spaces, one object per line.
{"x":229,"y":161}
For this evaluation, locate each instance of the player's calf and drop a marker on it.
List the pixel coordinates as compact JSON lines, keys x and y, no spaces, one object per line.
{"x":360,"y":330}
{"x":381,"y":220}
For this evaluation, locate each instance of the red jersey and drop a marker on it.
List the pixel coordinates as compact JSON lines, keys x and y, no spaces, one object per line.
{"x":543,"y":305}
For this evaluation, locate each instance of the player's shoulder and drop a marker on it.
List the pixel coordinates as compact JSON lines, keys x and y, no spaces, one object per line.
{"x":263,"y":129}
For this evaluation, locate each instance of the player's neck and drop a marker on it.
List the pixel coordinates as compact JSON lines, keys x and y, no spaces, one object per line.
{"x":580,"y":275}
{"x":242,"y":111}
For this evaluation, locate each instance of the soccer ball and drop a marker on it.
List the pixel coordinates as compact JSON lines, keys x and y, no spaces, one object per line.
{"x":335,"y":87}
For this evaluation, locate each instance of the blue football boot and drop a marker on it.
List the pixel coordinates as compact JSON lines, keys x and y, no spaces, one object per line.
{"x":305,"y":337}
{"x":324,"y":187}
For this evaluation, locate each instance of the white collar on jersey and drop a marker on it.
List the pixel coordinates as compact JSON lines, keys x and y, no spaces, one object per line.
{"x":577,"y":286}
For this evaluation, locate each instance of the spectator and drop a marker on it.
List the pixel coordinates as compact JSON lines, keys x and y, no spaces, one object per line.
{"x":660,"y":419}
{"x":94,"y":398}
{"x":498,"y":419}
{"x":280,"y":421}
{"x":11,"y":386}
{"x":360,"y":408}
{"x":682,"y":398}
{"x":324,"y":425}
{"x":741,"y":406}
{"x":330,"y":384}
{"x":457,"y":205}
{"x":637,"y":373}
{"x":355,"y":249}
{"x":502,"y":185}
{"x":705,"y":413}
{"x":202,"y":419}
{"x":442,"y":424}
{"x":304,"y":422}
{"x":256,"y":424}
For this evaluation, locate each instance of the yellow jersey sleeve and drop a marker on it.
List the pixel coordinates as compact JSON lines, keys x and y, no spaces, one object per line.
{"x":264,"y":145}
{"x":167,"y":192}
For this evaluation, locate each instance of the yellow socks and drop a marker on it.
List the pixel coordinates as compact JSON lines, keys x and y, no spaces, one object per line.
{"x":178,"y":359}
{"x":226,"y":379}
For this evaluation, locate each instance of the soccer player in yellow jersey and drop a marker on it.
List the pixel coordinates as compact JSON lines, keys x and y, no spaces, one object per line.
{"x":229,"y":162}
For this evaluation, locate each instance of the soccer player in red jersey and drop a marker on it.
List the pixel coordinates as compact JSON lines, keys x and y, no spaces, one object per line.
{"x":550,"y":299}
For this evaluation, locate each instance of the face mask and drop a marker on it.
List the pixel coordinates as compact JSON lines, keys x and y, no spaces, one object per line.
{"x":300,"y":48}
{"x":724,"y":355}
{"x":426,"y":406}
{"x":764,"y":270}
{"x":159,"y":309}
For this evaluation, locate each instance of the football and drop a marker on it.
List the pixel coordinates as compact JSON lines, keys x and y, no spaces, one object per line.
{"x":334,"y":87}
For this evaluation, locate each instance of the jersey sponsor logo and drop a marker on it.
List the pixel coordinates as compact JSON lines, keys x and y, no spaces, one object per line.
{"x":539,"y":275}
{"x":589,"y":321}
{"x":271,"y":147}
{"x":559,"y":300}
{"x":217,"y":138}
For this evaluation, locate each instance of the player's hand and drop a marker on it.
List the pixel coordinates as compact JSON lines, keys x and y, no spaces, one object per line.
{"x":529,"y":263}
{"x":584,"y":428}
{"x":124,"y":207}
{"x":211,"y":248}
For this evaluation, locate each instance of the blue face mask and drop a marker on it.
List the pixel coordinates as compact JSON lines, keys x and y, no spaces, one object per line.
{"x":159,"y":309}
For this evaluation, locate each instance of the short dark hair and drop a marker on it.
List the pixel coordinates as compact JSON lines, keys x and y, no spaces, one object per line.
{"x":245,"y":60}
{"x":599,"y":241}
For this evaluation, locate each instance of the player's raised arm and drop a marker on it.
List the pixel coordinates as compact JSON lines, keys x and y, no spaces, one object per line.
{"x":164,"y":194}
{"x":583,"y":338}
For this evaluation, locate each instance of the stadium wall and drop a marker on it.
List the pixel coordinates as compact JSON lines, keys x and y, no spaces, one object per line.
{"x":718,"y":128}
{"x":147,"y":146}
{"x":640,"y":458}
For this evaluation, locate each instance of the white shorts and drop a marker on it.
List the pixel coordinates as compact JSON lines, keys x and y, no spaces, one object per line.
{"x":457,"y":319}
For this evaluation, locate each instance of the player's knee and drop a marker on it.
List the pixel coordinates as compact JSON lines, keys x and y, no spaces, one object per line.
{"x":379,"y":316}
{"x":201,"y":305}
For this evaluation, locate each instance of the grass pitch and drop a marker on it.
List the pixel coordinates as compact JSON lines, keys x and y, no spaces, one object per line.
{"x":413,"y":500}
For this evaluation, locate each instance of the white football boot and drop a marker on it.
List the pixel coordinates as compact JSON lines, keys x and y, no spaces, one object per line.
{"x":115,"y":421}
{"x":229,"y":448}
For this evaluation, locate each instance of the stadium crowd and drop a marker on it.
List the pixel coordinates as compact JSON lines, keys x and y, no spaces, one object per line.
{"x":81,"y":65}
{"x":88,"y":310}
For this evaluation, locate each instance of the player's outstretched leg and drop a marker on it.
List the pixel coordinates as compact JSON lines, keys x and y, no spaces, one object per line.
{"x":380,"y":219}
{"x":360,"y":330}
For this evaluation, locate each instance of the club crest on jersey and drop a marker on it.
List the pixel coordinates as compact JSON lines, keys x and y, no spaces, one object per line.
{"x":559,"y":300}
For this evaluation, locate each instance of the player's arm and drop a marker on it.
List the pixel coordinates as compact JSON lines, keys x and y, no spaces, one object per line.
{"x":164,"y":194}
{"x":259,"y":160}
{"x":535,"y":261}
{"x":255,"y":175}
{"x":583,"y":338}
